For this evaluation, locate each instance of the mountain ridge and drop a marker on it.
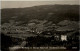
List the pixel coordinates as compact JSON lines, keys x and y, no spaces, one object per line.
{"x":53,"y":13}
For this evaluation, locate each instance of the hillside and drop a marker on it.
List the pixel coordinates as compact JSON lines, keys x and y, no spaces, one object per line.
{"x":40,"y":26}
{"x":53,"y":13}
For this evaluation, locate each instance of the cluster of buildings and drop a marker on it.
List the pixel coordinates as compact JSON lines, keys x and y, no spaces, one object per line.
{"x":60,"y":32}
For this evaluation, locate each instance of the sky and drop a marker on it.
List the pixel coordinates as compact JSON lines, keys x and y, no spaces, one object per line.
{"x":22,"y":4}
{"x":39,"y":0}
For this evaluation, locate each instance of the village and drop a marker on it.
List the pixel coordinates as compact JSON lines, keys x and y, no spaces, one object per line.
{"x":40,"y":26}
{"x":38,"y":33}
{"x":35,"y":29}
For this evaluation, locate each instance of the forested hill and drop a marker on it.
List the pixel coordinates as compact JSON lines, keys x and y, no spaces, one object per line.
{"x":53,"y":13}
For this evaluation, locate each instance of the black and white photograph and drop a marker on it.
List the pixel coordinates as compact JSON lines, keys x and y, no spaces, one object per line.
{"x":40,"y":25}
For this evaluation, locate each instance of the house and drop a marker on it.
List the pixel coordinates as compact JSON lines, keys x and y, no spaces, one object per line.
{"x":64,"y":37}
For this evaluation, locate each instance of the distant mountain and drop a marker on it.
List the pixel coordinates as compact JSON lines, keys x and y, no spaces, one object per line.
{"x":53,"y":13}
